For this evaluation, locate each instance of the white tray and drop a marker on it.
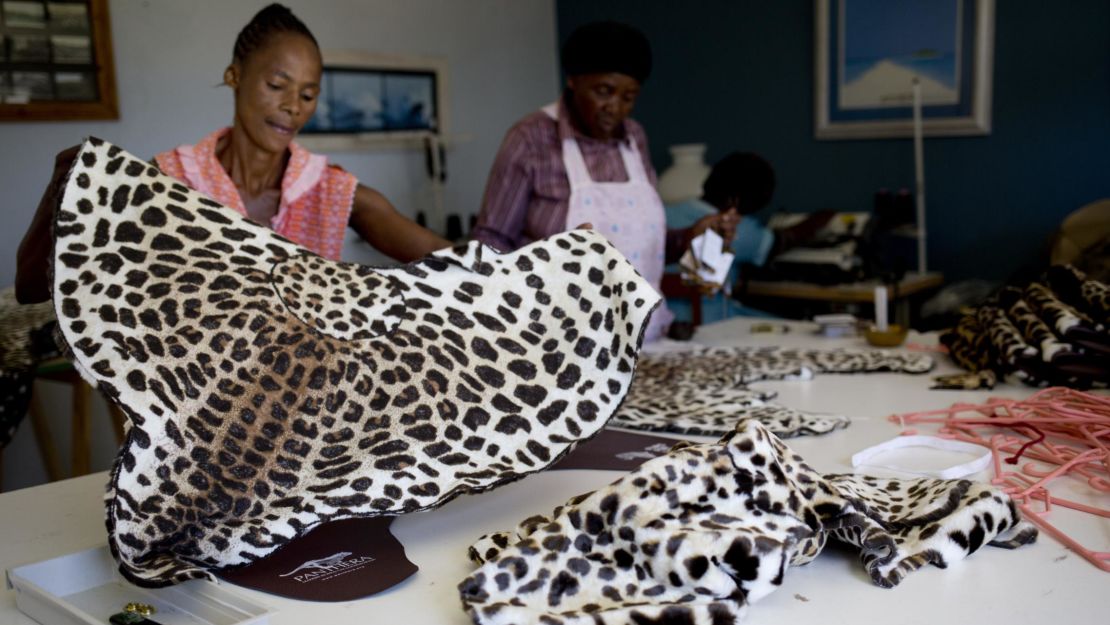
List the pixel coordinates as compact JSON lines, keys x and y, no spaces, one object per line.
{"x":85,"y":588}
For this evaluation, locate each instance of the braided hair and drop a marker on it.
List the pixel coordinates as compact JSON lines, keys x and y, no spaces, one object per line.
{"x":272,"y":20}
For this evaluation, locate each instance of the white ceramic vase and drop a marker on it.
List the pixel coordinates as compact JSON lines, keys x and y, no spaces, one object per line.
{"x":683,"y":179}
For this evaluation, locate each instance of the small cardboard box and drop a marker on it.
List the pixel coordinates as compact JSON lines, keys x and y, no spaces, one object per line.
{"x":85,"y":588}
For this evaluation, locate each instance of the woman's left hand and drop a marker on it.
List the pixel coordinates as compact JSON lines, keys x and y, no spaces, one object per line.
{"x":724,"y":223}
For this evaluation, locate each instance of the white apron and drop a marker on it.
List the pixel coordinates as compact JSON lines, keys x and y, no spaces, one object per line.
{"x":629,"y":214}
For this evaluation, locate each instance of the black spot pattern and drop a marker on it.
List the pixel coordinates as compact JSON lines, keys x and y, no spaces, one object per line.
{"x":270,"y":389}
{"x":693,"y":536}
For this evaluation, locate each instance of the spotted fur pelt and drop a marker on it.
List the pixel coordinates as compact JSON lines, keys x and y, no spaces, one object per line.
{"x":1081,"y":291}
{"x":271,"y":390}
{"x":694,"y":536}
{"x":1053,"y":332}
{"x":705,"y":391}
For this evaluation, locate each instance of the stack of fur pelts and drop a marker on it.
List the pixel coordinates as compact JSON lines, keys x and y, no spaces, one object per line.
{"x":1052,"y":332}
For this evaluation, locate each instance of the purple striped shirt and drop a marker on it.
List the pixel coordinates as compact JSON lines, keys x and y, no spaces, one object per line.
{"x":528,"y":191}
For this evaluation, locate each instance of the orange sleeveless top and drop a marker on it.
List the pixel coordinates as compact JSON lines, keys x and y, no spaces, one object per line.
{"x":316,"y":198}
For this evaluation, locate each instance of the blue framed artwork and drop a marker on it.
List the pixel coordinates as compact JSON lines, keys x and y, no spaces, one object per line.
{"x":375,"y":100}
{"x":869,"y":52}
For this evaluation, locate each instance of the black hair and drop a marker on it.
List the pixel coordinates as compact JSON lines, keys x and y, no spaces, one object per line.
{"x":272,"y":20}
{"x":602,"y":47}
{"x":743,"y":177}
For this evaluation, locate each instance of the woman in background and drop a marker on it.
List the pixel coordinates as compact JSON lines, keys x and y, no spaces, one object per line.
{"x":584,"y":160}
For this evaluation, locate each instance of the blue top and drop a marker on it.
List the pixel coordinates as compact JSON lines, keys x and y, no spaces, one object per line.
{"x":752,"y":244}
{"x":753,"y":240}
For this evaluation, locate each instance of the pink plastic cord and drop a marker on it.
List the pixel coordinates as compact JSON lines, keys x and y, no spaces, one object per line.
{"x":1060,"y":432}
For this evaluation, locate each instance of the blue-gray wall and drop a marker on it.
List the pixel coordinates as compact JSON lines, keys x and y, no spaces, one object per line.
{"x":738,"y":74}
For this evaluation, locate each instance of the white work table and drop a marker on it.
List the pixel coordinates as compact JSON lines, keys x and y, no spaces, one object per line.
{"x":1034,"y":585}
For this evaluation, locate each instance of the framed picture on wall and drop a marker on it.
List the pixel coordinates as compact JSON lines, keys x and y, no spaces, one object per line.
{"x":56,"y":61}
{"x":868,"y":53}
{"x":354,"y":100}
{"x":372,"y":98}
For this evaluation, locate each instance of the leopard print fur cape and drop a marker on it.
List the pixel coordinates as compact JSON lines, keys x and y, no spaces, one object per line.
{"x":705,"y":391}
{"x":1053,"y":332}
{"x":270,"y":390}
{"x":698,"y":534}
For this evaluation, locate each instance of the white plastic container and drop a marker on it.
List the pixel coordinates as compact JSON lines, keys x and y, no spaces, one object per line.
{"x":85,"y":588}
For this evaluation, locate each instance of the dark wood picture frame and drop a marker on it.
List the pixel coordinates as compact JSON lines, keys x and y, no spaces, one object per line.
{"x":98,"y":69}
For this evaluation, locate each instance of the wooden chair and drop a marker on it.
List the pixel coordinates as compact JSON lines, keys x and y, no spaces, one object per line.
{"x":61,"y":370}
{"x":673,"y":286}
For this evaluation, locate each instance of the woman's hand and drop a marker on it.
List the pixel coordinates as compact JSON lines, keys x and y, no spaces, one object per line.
{"x":723,"y":223}
{"x":37,"y":247}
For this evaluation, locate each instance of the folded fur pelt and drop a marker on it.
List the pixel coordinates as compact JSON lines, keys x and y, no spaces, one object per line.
{"x":698,"y":534}
{"x":271,"y":390}
{"x":1052,"y":332}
